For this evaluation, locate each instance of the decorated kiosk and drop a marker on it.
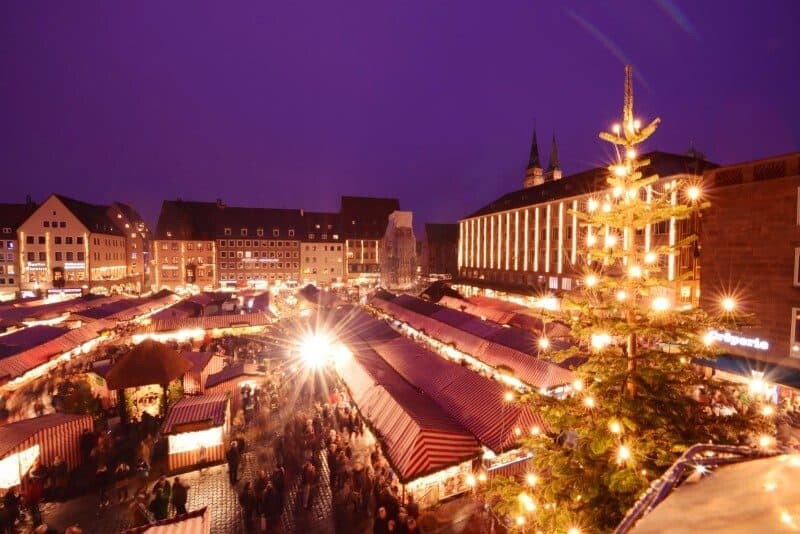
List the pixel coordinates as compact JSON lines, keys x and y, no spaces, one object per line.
{"x":196,"y":430}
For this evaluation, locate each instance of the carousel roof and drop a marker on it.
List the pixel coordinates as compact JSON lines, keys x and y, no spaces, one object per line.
{"x":149,"y":362}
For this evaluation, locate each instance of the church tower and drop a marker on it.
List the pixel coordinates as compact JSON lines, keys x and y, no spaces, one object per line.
{"x":553,"y":169}
{"x":534,"y":174}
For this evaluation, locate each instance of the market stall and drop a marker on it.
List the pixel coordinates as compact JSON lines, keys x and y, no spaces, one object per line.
{"x":195,"y":522}
{"x":197,"y":429}
{"x":204,"y":364}
{"x":143,"y":376}
{"x":236,"y":379}
{"x":40,"y":439}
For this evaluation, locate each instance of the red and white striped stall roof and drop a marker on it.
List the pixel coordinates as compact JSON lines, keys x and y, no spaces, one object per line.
{"x":418,"y":437}
{"x":56,"y":434}
{"x":197,"y":409}
{"x":210,"y":322}
{"x":195,"y":522}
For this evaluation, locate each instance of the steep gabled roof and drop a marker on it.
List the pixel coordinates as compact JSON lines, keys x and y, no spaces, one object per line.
{"x":93,"y":216}
{"x":321,"y":223}
{"x":181,"y":219}
{"x":13,"y":215}
{"x":661,"y":163}
{"x":252,"y":219}
{"x":367,"y":217}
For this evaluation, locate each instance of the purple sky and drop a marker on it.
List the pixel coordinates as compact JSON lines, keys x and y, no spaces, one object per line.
{"x":282,"y":104}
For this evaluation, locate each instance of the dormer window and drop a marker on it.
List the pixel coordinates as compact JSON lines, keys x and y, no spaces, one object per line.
{"x":291,"y":233}
{"x":316,"y":226}
{"x":227,"y":231}
{"x":260,"y":232}
{"x":243,"y":231}
{"x":310,"y":236}
{"x":169,"y":234}
{"x":275,"y":232}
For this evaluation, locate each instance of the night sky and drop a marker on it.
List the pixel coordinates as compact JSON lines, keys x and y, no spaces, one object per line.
{"x":292,"y":104}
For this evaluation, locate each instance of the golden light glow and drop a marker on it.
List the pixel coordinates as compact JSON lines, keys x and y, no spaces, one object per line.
{"x":766,"y":442}
{"x":600,"y":341}
{"x":589,"y":402}
{"x":482,"y":477}
{"x":508,"y":396}
{"x":592,"y":205}
{"x":623,"y":454}
{"x":693,"y":192}
{"x":577,"y":385}
{"x":770,"y":486}
{"x":700,"y":469}
{"x":616,"y":129}
{"x":544,"y":343}
{"x":192,"y":441}
{"x":517,"y":431}
{"x":606,"y":207}
{"x":619,"y":170}
{"x":615,"y":427}
{"x":650,"y":257}
{"x":708,"y":339}
{"x":531,"y":479}
{"x":590,"y":280}
{"x":617,"y":191}
{"x":630,"y":153}
{"x":621,"y":295}
{"x":728,"y":304}
{"x":574,"y":530}
{"x":535,"y":431}
{"x":610,"y":240}
{"x":660,"y":304}
{"x":637,"y":124}
{"x":591,"y":240}
{"x":635,"y":271}
{"x":471,"y":481}
{"x":520,"y":520}
{"x":767,"y":410}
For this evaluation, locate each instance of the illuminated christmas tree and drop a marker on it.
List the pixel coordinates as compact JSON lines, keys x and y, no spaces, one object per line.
{"x":639,"y":402}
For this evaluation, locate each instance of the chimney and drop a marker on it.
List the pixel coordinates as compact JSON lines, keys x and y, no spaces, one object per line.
{"x":302,"y":212}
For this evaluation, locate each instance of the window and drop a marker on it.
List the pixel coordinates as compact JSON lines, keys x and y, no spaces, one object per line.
{"x":31,"y":256}
{"x":59,"y":256}
{"x":553,"y":282}
{"x":29,"y":239}
{"x":223,"y":254}
{"x":797,"y":267}
{"x":67,"y":240}
{"x":62,"y":224}
{"x":324,"y":236}
{"x":243,"y":232}
{"x":70,"y":256}
{"x":189,"y":246}
{"x":54,"y":224}
{"x":81,"y":256}
{"x":79,"y":240}
{"x":46,"y":224}
{"x":42,"y":256}
{"x":227,"y":231}
{"x":248,"y":243}
{"x":566,"y":283}
{"x":661,"y":228}
{"x":259,"y":232}
{"x":275,"y":232}
{"x":310,"y":236}
{"x":335,"y":237}
{"x":291,"y":233}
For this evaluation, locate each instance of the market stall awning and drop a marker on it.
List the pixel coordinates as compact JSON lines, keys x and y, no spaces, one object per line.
{"x":195,"y":522}
{"x":56,"y":434}
{"x":149,"y":362}
{"x":209,"y":409}
{"x":232,"y":371}
{"x":419,"y":438}
{"x":211,"y":322}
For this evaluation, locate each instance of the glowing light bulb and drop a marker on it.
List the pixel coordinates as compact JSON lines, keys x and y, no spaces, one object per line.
{"x":637,"y":124}
{"x":610,"y":240}
{"x":708,"y":339}
{"x":650,"y":257}
{"x":632,"y":193}
{"x":616,"y":129}
{"x":544,"y":343}
{"x":590,"y":280}
{"x":600,"y":341}
{"x":617,"y":191}
{"x":765,"y":442}
{"x":574,"y":530}
{"x":591,"y":240}
{"x":660,"y":304}
{"x":630,"y":153}
{"x":620,"y":170}
{"x":589,"y":402}
{"x":508,"y":396}
{"x":517,"y":431}
{"x":767,"y":410}
{"x":728,"y":304}
{"x":615,"y":427}
{"x":606,"y":207}
{"x":623,"y":454}
{"x":693,"y":192}
{"x":471,"y":481}
{"x":577,"y":385}
{"x":531,"y":479}
{"x":535,"y":431}
{"x":700,"y":469}
{"x":621,"y":295}
{"x":520,"y":520}
{"x":592,"y":205}
{"x":530,"y":506}
{"x":635,"y":271}
{"x":482,"y":477}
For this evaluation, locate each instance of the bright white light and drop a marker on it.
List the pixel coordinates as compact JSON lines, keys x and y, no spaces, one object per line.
{"x":544,"y":343}
{"x":767,"y":410}
{"x":600,"y":341}
{"x":508,"y":396}
{"x":574,"y":530}
{"x":616,"y":129}
{"x":590,"y":280}
{"x":700,"y":469}
{"x":637,"y":124}
{"x":531,"y":479}
{"x":650,"y":257}
{"x":617,"y":191}
{"x":635,"y":271}
{"x":693,"y":192}
{"x":623,"y":454}
{"x":535,"y":431}
{"x":520,"y":520}
{"x":660,"y":304}
{"x":314,"y":350}
{"x":589,"y":402}
{"x":611,"y":240}
{"x":615,"y":427}
{"x":577,"y":385}
{"x":619,"y":170}
{"x":621,"y":295}
{"x":708,"y":339}
{"x":630,"y":153}
{"x":728,"y":304}
{"x":591,"y":240}
{"x":765,"y":442}
{"x":471,"y":481}
{"x":606,"y":207}
{"x":592,"y":204}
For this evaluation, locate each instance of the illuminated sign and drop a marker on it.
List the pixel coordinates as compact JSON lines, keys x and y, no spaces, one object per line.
{"x":75,"y":265}
{"x":739,"y":341}
{"x":36,"y":266}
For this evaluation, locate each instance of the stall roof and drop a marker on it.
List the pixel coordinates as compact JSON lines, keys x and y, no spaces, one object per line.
{"x":13,"y":434}
{"x":27,"y":338}
{"x":194,"y":522}
{"x":149,"y":362}
{"x":199,"y":359}
{"x":418,"y":436}
{"x":232,"y":371}
{"x":211,"y":408}
{"x":210,"y":322}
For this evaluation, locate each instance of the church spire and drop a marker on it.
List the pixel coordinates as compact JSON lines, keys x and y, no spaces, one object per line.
{"x":553,"y":156}
{"x":533,"y":161}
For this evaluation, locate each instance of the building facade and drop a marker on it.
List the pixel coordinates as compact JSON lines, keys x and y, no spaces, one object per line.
{"x":11,"y":217}
{"x":69,"y":244}
{"x":399,"y":251}
{"x":364,"y":221}
{"x":137,"y":243}
{"x":322,"y":249}
{"x":439,"y":254}
{"x":529,"y":240}
{"x":750,"y":239}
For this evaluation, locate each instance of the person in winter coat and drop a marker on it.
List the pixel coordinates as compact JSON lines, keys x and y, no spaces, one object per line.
{"x":180,"y":494}
{"x":271,"y":507}
{"x":233,"y":458}
{"x":159,"y":506}
{"x":247,"y":500}
{"x":309,"y":477}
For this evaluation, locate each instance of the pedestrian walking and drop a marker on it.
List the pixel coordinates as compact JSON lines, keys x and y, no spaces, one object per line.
{"x":247,"y":500}
{"x":233,"y":458}
{"x":309,"y":475}
{"x":121,"y":473}
{"x":180,"y":494}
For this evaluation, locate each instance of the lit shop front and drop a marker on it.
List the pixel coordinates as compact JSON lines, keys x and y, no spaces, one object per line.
{"x":197,"y":430}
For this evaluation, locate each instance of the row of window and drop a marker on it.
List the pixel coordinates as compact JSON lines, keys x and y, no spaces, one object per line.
{"x":239,"y":243}
{"x":276,"y":232}
{"x":8,"y":256}
{"x":256,"y":254}
{"x":8,"y":244}
{"x":334,"y":248}
{"x":7,"y":269}
{"x":248,"y":265}
{"x":9,"y":281}
{"x":107,"y":242}
{"x":70,"y":256}
{"x":67,"y":240}
{"x":54,"y":224}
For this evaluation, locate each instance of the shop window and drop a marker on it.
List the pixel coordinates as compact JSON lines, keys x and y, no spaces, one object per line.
{"x":566,"y":283}
{"x":553,"y":282}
